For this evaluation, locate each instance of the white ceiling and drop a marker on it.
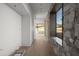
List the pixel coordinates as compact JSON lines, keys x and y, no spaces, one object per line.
{"x":39,"y":10}
{"x":18,"y":7}
{"x":40,"y":7}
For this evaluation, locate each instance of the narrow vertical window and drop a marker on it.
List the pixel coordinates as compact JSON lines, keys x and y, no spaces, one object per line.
{"x":59,"y":23}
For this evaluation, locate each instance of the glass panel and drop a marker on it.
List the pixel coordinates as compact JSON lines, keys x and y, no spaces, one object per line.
{"x":40,"y":28}
{"x":59,"y":23}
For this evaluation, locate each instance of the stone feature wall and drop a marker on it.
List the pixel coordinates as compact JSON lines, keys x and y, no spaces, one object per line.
{"x":70,"y":41}
{"x":71,"y":29}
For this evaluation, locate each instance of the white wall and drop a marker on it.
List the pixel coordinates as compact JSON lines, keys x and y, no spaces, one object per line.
{"x":26,"y":33}
{"x":27,"y":26}
{"x":31,"y":30}
{"x":10,"y":30}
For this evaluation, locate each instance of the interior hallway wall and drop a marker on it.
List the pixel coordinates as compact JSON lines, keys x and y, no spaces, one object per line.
{"x":10,"y":30}
{"x":26,"y":33}
{"x":27,"y":26}
{"x":52,"y":25}
{"x":46,"y":22}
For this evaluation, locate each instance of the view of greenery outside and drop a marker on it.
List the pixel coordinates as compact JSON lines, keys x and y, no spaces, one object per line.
{"x":40,"y":28}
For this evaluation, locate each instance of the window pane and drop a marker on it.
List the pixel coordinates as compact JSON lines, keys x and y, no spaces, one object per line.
{"x":59,"y":21}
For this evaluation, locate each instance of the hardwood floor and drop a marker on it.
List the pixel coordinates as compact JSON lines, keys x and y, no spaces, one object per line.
{"x":40,"y":47}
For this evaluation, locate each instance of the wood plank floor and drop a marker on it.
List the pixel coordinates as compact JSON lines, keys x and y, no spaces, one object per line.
{"x":40,"y":47}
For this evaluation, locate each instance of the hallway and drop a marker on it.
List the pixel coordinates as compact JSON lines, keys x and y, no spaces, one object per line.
{"x":39,"y":29}
{"x":40,"y":47}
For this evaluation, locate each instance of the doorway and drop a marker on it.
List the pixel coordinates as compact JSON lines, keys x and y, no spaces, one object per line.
{"x":39,"y":30}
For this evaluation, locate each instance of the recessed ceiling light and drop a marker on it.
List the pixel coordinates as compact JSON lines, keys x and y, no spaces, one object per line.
{"x":14,"y":5}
